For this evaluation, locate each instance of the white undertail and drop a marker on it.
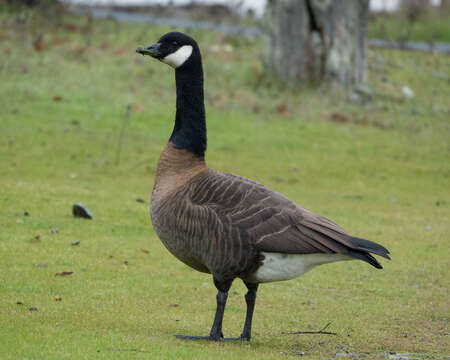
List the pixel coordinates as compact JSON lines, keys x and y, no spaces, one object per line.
{"x":278,"y":267}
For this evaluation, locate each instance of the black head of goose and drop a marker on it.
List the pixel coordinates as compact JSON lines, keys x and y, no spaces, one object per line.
{"x":227,"y":225}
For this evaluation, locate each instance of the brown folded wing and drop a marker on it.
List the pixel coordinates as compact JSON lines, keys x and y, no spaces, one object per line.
{"x":272,"y":222}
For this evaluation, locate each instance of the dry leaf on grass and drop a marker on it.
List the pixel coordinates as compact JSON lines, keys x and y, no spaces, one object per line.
{"x":64,"y":273}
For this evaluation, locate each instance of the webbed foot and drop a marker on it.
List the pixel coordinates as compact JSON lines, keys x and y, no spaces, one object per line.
{"x":211,"y":338}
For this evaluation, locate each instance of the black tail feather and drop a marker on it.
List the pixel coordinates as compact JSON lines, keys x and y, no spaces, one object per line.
{"x":361,"y":255}
{"x":369,"y":246}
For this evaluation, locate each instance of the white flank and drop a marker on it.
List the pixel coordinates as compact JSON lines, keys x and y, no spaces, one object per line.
{"x":178,"y":58}
{"x":278,"y":267}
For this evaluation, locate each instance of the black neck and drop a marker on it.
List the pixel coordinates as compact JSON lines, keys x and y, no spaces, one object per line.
{"x":189,"y":131}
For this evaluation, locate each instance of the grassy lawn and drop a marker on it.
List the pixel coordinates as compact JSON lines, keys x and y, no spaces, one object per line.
{"x":381,"y":170}
{"x":432,"y":25}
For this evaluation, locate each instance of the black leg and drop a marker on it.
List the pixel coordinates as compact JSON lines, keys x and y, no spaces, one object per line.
{"x":250,"y":298}
{"x":216,"y":330}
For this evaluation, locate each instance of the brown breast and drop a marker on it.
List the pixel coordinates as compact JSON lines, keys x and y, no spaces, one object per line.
{"x":176,"y":167}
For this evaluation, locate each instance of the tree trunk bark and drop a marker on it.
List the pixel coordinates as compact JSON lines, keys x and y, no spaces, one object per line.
{"x":445,"y":4}
{"x":31,"y":3}
{"x":317,"y":40}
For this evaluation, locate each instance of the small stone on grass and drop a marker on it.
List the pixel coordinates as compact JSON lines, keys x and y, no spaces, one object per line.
{"x":81,"y":211}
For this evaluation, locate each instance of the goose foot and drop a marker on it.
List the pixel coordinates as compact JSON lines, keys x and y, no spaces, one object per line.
{"x":216,"y":330}
{"x":210,"y":338}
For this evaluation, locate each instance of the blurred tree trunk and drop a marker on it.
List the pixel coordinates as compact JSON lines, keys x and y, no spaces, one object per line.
{"x":317,"y":40}
{"x":23,"y":2}
{"x":415,"y":8}
{"x":445,"y":4}
{"x":416,"y":4}
{"x":32,"y":2}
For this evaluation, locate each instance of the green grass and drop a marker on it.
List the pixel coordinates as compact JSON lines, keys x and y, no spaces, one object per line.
{"x":429,"y":26}
{"x":379,"y":170}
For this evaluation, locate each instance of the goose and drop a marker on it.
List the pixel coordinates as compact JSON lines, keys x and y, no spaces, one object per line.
{"x":227,"y":225}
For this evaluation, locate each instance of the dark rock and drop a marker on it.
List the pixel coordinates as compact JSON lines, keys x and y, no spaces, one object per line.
{"x":81,"y":211}
{"x":26,"y":213}
{"x":33,"y":308}
{"x":139,"y":200}
{"x":75,"y":243}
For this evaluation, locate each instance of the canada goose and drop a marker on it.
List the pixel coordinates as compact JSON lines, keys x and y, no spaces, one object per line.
{"x":227,"y":225}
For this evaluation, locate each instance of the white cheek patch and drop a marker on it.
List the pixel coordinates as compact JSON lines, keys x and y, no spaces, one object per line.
{"x":179,"y":57}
